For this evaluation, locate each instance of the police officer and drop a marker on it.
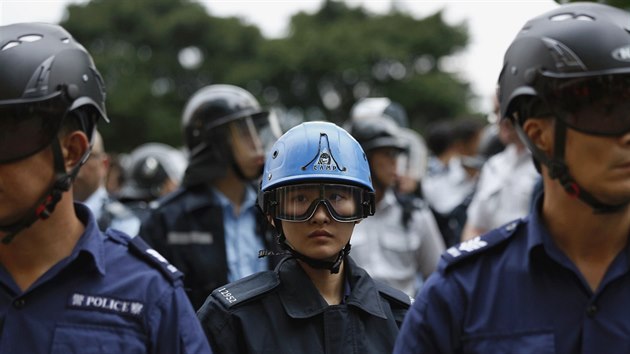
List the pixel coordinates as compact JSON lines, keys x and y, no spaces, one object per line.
{"x":316,"y":187}
{"x":401,"y":244}
{"x":210,"y":228}
{"x":557,"y":281}
{"x":89,"y":188}
{"x":152,"y":170}
{"x":66,"y":287}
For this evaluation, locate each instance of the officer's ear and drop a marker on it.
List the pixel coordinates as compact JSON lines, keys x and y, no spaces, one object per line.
{"x":540,"y":132}
{"x":74,"y":145}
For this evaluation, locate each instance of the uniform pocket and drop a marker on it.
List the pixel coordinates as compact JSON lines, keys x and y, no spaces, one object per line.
{"x":92,"y":339}
{"x":539,"y":342}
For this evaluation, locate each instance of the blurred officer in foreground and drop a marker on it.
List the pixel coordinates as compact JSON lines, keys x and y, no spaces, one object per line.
{"x":89,"y":188}
{"x":557,"y":281}
{"x":316,"y":187}
{"x":66,"y":287}
{"x":152,"y":170}
{"x":401,"y":243}
{"x":210,"y":228}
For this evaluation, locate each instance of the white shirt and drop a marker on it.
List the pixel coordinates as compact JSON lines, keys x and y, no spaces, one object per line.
{"x":390,"y":253}
{"x":448,"y":188}
{"x":504,"y":190}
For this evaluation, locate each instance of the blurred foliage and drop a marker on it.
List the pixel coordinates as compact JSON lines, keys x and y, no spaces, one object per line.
{"x":154,"y":54}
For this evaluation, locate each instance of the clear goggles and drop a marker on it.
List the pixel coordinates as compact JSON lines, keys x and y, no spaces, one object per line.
{"x":256,"y":132}
{"x":597,"y":105}
{"x":344,"y":203}
{"x":28,"y":127}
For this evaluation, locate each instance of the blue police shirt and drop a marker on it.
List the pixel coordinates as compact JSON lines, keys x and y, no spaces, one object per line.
{"x":241,"y":239}
{"x":513,"y":291}
{"x":111,"y":295}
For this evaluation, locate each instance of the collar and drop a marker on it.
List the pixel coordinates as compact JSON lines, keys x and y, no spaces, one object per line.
{"x":91,"y":242}
{"x":249,"y":199}
{"x":389,"y":199}
{"x":301,"y":299}
{"x":96,"y":200}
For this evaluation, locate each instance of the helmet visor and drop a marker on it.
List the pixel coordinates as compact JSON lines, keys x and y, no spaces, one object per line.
{"x":597,"y":105}
{"x":28,"y":127}
{"x":257,"y":132}
{"x":345,"y":203}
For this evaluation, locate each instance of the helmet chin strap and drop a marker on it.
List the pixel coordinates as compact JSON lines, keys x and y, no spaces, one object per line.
{"x":332,"y":265}
{"x":559,"y":170}
{"x":46,"y":205}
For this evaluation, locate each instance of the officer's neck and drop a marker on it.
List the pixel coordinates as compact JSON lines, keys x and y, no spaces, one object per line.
{"x":591,"y":240}
{"x":36,"y":249}
{"x":329,"y":285}
{"x":233,"y":188}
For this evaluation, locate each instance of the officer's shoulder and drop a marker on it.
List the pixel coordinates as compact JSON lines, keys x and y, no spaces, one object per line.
{"x":246,"y":289}
{"x":118,"y":209}
{"x":476,"y":247}
{"x":139,"y":248}
{"x":169,"y":198}
{"x":393,"y":295}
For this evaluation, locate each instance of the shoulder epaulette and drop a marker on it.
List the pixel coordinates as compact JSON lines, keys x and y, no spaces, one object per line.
{"x":140,"y":248}
{"x":394,"y":294}
{"x":477,"y":245}
{"x":240,"y":291}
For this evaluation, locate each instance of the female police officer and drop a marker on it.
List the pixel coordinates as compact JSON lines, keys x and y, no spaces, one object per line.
{"x":315,"y":188}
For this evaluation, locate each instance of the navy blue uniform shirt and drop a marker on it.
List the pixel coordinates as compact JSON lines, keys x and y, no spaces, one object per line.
{"x":111,"y":295}
{"x":513,"y":291}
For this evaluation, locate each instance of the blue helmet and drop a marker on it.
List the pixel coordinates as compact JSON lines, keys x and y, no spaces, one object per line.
{"x":316,"y":152}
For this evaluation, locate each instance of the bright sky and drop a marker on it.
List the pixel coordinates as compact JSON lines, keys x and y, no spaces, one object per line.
{"x":492,"y":24}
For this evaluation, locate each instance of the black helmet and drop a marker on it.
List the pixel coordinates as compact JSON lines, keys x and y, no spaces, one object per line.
{"x":45,"y":74}
{"x":380,"y":106}
{"x":148,"y":167}
{"x":572,"y":64}
{"x":553,"y":46}
{"x":211,"y":118}
{"x":376,"y":132}
{"x":46,"y":77}
{"x":214,"y":106}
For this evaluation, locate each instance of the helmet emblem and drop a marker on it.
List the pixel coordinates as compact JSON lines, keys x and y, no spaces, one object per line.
{"x":622,"y":53}
{"x":324,"y":157}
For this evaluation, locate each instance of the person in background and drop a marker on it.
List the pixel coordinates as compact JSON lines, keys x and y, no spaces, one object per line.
{"x":153,"y":170}
{"x":401,"y":244}
{"x":449,"y":190}
{"x":210,"y":228}
{"x":315,"y":189}
{"x":505,"y":187}
{"x":558,"y":280}
{"x":89,"y":188}
{"x":66,"y":286}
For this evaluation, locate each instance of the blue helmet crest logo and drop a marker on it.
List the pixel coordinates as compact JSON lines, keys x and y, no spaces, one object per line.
{"x":325,"y":157}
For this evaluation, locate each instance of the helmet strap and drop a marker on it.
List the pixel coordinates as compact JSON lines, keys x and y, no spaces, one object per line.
{"x":333,"y":266}
{"x":559,"y":170}
{"x":46,"y":205}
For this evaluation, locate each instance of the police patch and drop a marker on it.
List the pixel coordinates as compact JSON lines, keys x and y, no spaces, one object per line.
{"x":105,"y":303}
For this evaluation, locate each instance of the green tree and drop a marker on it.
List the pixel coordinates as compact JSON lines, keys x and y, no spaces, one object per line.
{"x":154,"y":54}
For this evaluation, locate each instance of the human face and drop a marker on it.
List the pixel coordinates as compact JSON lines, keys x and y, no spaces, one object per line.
{"x":23,"y":183}
{"x":383,"y":165}
{"x":600,"y":164}
{"x":320,"y":237}
{"x":249,"y":139}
